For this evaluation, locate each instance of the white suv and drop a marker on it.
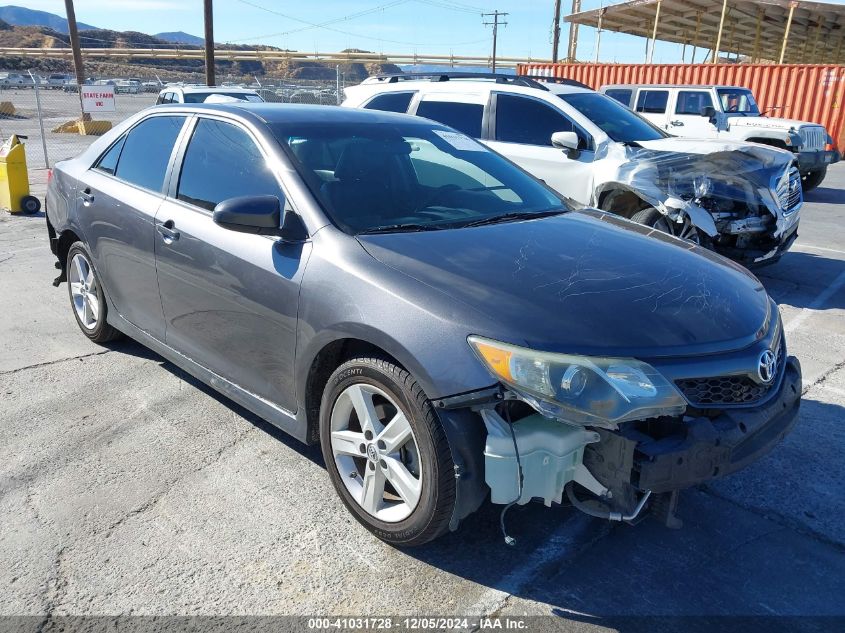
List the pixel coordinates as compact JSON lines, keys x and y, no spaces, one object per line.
{"x":729,"y":112}
{"x":199,"y":94}
{"x":741,"y":199}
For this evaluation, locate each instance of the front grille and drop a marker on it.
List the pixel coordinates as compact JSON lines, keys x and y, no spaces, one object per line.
{"x":788,"y":192}
{"x":716,"y":391}
{"x":813,"y":138}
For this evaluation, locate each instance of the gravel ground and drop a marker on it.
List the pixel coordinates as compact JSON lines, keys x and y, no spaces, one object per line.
{"x":128,"y":487}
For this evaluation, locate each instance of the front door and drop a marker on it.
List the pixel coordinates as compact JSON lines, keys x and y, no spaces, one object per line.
{"x":687,"y":118}
{"x":522,"y":131}
{"x":118,"y":199}
{"x":230,"y":299}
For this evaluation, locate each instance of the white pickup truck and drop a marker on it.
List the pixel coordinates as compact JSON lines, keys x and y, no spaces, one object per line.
{"x":729,"y":112}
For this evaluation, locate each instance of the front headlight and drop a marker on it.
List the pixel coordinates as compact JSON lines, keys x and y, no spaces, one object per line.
{"x":589,"y":390}
{"x":686,"y":187}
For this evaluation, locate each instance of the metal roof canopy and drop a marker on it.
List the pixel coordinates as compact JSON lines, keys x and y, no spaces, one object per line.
{"x":784,"y":31}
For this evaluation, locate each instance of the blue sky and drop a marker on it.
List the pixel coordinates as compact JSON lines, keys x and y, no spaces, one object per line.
{"x":390,"y":26}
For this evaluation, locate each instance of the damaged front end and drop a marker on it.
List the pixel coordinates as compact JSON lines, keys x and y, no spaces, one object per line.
{"x":615,"y":436}
{"x":743,"y":200}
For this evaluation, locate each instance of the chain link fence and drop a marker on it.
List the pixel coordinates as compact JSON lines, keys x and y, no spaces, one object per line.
{"x":33,"y":103}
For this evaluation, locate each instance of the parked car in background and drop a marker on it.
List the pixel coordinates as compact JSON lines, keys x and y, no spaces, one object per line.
{"x":198,"y":94}
{"x":57,"y":80}
{"x":150,"y":86}
{"x":127,"y":86}
{"x":740,"y":199}
{"x":439,"y":321}
{"x":730,"y":112}
{"x":15,"y":80}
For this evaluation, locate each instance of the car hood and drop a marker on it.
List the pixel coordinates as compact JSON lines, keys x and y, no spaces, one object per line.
{"x":768,"y":122}
{"x":702,"y":146}
{"x":587,"y":282}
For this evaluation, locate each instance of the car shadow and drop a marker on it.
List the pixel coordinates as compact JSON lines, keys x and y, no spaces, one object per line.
{"x":800,"y":277}
{"x":825,"y":195}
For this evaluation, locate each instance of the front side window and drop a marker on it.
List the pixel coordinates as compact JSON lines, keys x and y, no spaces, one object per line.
{"x":612,"y":118}
{"x":623,"y":96}
{"x":374,"y":177}
{"x":464,"y":117}
{"x":391,"y":102}
{"x":146,"y":151}
{"x":652,"y":101}
{"x":738,"y":101}
{"x":530,"y":122}
{"x":221,"y":162}
{"x":693,"y":102}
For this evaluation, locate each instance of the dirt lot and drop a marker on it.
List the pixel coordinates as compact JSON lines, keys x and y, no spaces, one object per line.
{"x":128,"y":487}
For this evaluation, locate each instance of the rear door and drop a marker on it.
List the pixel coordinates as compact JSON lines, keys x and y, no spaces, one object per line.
{"x":462,"y":111}
{"x":230,"y":299}
{"x":118,"y":200}
{"x":652,"y":103}
{"x":522,"y":128}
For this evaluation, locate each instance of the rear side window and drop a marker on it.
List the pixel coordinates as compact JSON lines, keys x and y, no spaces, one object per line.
{"x":528,"y":121}
{"x":652,"y":101}
{"x":692,"y":102}
{"x":391,"y":102}
{"x":146,"y":151}
{"x":108,"y":161}
{"x":622,"y":96}
{"x":464,"y":117}
{"x":221,"y":162}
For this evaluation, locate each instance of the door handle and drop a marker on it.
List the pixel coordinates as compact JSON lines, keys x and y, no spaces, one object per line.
{"x":168,"y":232}
{"x":676,"y":123}
{"x":87,"y":196}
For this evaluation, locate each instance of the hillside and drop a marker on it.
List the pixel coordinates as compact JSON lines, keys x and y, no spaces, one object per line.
{"x":180,"y":37}
{"x":44,"y":37}
{"x":21,"y":16}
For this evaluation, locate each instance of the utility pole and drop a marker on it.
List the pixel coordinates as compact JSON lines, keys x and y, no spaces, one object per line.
{"x":573,"y":33}
{"x":556,"y":31}
{"x":73,"y":32}
{"x":495,"y":24}
{"x":209,"y":44}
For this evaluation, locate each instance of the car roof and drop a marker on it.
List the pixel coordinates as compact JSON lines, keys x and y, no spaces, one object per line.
{"x":455,"y":85}
{"x":685,"y":86}
{"x":199,"y":89}
{"x":297,"y":113}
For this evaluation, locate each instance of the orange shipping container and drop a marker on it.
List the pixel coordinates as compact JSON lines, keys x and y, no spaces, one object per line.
{"x":807,"y":92}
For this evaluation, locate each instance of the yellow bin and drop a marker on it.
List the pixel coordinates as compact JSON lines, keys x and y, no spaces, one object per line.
{"x":14,"y":179}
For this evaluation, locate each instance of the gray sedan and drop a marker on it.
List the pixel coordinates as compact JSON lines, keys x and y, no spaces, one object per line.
{"x":438,"y":320}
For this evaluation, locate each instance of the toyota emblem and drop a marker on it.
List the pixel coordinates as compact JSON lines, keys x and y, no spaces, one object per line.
{"x":766,"y":366}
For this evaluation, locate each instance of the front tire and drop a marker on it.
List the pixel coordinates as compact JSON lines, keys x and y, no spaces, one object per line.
{"x":656,"y":220}
{"x":86,"y":296}
{"x":813,"y":179}
{"x":386,"y":452}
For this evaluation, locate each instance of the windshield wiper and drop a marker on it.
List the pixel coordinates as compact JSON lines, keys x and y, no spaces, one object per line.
{"x":408,"y":227}
{"x":514,"y":216}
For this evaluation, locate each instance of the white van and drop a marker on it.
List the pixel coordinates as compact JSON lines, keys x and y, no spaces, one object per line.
{"x":729,"y":112}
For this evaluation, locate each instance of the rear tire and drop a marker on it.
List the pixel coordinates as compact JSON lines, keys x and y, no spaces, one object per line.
{"x":813,"y":179}
{"x":86,"y":296}
{"x":397,"y":481}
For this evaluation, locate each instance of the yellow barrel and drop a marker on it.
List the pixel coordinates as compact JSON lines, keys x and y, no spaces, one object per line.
{"x":14,"y":178}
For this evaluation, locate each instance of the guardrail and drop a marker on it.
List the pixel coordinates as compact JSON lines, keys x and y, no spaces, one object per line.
{"x":263,"y":55}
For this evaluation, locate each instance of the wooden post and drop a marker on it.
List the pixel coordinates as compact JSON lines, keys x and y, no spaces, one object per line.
{"x":695,"y":36}
{"x":598,"y":34}
{"x":209,"y":43}
{"x":719,"y":35}
{"x":792,"y":6}
{"x":755,"y":56}
{"x":654,"y":32}
{"x":573,"y":33}
{"x":556,"y":31}
{"x":73,"y":32}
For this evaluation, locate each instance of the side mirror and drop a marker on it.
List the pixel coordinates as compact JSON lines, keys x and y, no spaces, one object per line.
{"x":261,"y":215}
{"x":709,"y":112}
{"x":567,"y":141}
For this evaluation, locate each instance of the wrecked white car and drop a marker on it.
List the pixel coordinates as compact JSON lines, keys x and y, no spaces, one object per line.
{"x":740,"y":199}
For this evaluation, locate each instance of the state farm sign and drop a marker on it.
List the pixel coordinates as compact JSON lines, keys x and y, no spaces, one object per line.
{"x":98,"y":98}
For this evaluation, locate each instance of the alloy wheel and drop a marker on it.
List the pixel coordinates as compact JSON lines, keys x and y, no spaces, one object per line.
{"x":83,"y":290}
{"x":376,"y":453}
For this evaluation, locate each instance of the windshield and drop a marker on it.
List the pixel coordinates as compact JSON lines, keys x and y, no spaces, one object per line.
{"x":738,"y":101}
{"x":200,"y":97}
{"x":411,"y":176}
{"x":614,"y":119}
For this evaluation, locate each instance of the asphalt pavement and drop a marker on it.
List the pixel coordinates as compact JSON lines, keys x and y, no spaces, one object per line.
{"x":128,"y":487}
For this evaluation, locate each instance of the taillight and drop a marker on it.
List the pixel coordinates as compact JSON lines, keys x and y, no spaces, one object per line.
{"x":49,"y":175}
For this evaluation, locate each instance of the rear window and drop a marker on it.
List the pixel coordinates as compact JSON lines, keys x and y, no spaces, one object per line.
{"x":200,"y":97}
{"x":391,"y":102}
{"x":464,"y":117}
{"x":652,"y":101}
